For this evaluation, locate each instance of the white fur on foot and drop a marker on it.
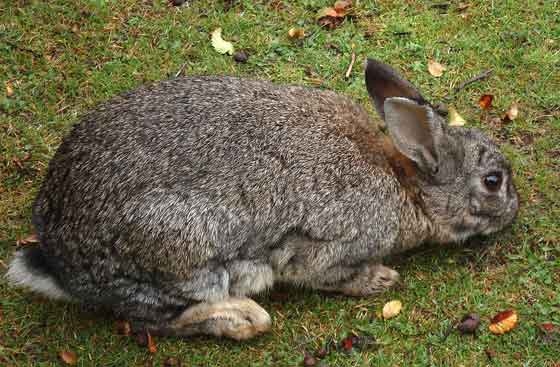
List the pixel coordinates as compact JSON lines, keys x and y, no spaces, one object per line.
{"x":20,"y":274}
{"x":236,"y":318}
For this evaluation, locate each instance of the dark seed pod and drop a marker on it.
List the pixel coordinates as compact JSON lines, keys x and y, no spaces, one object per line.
{"x":469,"y":323}
{"x":241,"y":57}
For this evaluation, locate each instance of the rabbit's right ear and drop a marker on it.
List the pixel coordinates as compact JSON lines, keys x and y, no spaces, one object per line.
{"x":383,"y":82}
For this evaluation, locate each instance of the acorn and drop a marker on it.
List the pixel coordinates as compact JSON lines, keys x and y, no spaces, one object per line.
{"x":241,"y":57}
{"x":469,"y":323}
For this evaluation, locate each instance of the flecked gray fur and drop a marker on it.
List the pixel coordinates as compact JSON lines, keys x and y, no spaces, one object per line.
{"x":200,"y":188}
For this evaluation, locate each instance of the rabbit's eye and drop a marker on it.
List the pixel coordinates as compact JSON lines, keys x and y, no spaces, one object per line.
{"x":493,"y":181}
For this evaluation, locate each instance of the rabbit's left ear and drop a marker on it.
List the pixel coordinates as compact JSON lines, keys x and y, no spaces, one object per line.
{"x":415,"y":130}
{"x":383,"y":82}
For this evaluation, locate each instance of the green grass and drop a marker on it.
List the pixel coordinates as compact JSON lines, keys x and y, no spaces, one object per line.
{"x":63,"y":57}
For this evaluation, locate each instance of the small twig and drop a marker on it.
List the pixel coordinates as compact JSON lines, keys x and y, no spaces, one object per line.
{"x":481,"y":76}
{"x":181,"y":70}
{"x":349,"y":71}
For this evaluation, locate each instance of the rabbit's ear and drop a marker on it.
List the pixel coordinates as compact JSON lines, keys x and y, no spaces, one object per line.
{"x":383,"y":82}
{"x":415,"y":130}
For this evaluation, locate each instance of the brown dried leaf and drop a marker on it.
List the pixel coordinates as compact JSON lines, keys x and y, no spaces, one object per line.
{"x":327,"y":12}
{"x":503,"y":322}
{"x":296,"y":33}
{"x":68,"y":357}
{"x":391,"y":309}
{"x":332,"y":17}
{"x":485,"y":101}
{"x":454,"y":118}
{"x":463,"y":6}
{"x":435,"y":68}
{"x":342,"y":5}
{"x":28,"y":240}
{"x":152,"y":348}
{"x":512,"y":112}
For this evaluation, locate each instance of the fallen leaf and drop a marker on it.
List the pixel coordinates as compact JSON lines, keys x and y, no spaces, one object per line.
{"x":342,"y":5}
{"x":296,"y":33}
{"x":547,"y":327}
{"x":69,"y":357}
{"x":34,"y":238}
{"x":503,"y":322}
{"x":469,"y":323}
{"x":391,"y":309}
{"x":9,"y":89}
{"x":123,"y":327}
{"x":485,"y":101}
{"x":332,"y":17}
{"x":151,"y":344}
{"x":328,"y":12}
{"x":348,"y":343}
{"x":144,"y":339}
{"x":219,"y":44}
{"x":435,"y":68}
{"x":454,"y":118}
{"x":512,"y":112}
{"x":463,"y":6}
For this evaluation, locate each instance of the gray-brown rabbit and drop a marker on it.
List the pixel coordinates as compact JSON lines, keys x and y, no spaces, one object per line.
{"x":173,"y":203}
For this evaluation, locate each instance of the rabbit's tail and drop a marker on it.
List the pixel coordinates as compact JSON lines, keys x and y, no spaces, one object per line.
{"x":30,"y":269}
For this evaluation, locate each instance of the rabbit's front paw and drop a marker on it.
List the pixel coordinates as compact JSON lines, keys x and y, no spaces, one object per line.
{"x":374,"y":279}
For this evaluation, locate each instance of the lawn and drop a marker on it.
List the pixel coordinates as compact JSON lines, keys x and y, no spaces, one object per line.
{"x":59,"y":58}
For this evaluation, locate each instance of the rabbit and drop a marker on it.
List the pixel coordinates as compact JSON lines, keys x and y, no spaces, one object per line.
{"x":174,"y":203}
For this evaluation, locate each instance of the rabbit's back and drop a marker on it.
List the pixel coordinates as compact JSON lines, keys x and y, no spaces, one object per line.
{"x":195,"y":171}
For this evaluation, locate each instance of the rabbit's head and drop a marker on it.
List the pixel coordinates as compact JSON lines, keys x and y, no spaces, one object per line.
{"x":465,"y":182}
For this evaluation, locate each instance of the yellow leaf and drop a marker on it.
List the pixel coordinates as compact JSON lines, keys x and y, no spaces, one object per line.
{"x":391,"y":309}
{"x":512,"y":112}
{"x":435,"y":68}
{"x":296,"y":33}
{"x":454,"y":118}
{"x":223,"y":47}
{"x":503,"y":322}
{"x":9,"y":89}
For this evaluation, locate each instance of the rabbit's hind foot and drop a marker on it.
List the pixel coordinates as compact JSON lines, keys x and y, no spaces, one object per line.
{"x":236,"y":318}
